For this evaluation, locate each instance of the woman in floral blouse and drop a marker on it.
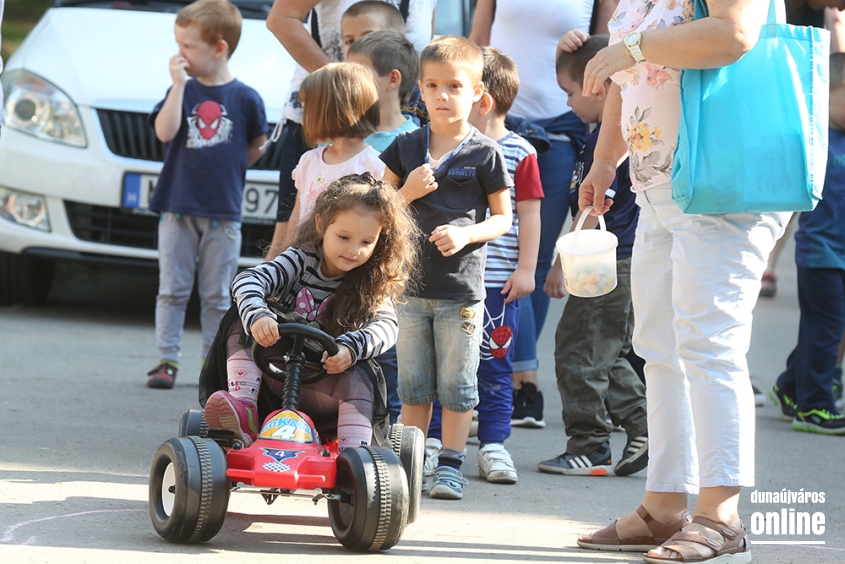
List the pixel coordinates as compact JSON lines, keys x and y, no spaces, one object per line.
{"x":695,"y":280}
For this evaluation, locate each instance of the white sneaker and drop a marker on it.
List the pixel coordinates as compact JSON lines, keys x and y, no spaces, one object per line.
{"x":495,"y":464}
{"x":432,"y":456}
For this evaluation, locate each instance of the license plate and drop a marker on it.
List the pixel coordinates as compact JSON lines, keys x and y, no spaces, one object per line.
{"x":258,"y":206}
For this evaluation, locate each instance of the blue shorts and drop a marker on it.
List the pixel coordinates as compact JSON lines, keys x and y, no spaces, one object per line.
{"x":438,"y":348}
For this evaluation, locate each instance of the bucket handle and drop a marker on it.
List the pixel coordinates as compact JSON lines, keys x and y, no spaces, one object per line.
{"x":580,"y":224}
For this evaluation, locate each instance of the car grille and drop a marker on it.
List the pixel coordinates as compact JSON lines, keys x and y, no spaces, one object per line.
{"x":113,"y":226}
{"x":129,"y":134}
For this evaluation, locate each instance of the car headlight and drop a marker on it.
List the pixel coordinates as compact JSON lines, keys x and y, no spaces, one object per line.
{"x":35,"y":106}
{"x":24,"y":208}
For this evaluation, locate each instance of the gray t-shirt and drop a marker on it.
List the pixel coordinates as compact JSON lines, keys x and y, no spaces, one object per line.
{"x":463,"y":183}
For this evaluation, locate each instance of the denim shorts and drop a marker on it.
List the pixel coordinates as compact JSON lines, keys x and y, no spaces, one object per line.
{"x":439,"y":344}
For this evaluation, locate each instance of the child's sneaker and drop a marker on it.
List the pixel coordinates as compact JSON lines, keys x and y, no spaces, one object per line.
{"x":634,"y":458}
{"x":162,"y":377}
{"x":528,"y":407}
{"x":784,"y":403}
{"x":432,"y":457}
{"x":819,"y":421}
{"x":224,"y":412}
{"x":597,"y":463}
{"x":448,"y":483}
{"x":496,"y":465}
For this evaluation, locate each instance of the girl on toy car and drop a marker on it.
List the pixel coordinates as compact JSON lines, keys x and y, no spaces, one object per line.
{"x":350,"y":261}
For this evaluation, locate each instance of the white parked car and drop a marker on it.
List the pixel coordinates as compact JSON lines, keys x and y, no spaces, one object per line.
{"x":77,"y":155}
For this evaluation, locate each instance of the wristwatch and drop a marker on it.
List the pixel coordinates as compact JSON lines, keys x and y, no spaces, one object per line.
{"x":632,"y":42}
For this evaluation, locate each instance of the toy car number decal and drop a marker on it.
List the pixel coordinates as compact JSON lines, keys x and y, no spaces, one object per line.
{"x":287,"y":426}
{"x":278,"y":456}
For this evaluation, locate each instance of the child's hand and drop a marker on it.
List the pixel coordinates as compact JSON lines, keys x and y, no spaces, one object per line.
{"x":572,"y":41}
{"x":420,"y":183}
{"x":449,"y":239}
{"x":178,"y":70}
{"x":339,"y":362}
{"x":555,"y":286}
{"x":265,"y":331}
{"x":519,"y":285}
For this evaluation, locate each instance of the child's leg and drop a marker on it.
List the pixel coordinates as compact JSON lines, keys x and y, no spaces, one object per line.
{"x":219,"y":249}
{"x":415,"y":349}
{"x":458,"y":327}
{"x":235,"y":410}
{"x":178,"y":241}
{"x":495,"y":386}
{"x":821,"y":295}
{"x":389,"y":364}
{"x":346,"y":397}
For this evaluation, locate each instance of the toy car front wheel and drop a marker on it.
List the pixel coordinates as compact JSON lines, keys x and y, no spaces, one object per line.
{"x":373,"y":507}
{"x":189,"y":490}
{"x":193,"y":423}
{"x":409,"y":444}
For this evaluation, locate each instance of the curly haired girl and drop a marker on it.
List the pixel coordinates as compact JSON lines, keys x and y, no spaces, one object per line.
{"x":350,"y":262}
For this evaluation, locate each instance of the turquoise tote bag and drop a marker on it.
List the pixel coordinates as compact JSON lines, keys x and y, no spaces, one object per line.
{"x":753,"y":135}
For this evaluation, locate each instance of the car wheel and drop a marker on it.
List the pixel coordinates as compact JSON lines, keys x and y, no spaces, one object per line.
{"x":189,"y":490}
{"x":373,"y":507}
{"x":409,"y":444}
{"x":193,"y":423}
{"x":24,"y":279}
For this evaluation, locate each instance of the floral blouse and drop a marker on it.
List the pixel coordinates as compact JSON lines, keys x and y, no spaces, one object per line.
{"x":651,"y":101}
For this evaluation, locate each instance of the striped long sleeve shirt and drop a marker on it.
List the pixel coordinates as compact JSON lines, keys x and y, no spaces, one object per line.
{"x":295,"y":279}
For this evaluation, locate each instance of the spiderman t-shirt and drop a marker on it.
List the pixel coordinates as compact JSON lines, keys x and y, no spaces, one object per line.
{"x":205,"y":165}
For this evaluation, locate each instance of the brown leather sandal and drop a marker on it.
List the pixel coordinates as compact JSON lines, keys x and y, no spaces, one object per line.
{"x":608,"y":539}
{"x":714,"y":543}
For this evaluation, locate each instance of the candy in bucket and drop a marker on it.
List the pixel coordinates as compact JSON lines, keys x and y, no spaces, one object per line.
{"x":588,"y":259}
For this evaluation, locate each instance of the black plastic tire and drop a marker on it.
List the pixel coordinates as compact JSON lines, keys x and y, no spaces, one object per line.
{"x":193,"y":423}
{"x":373,"y":510}
{"x":409,"y":444}
{"x":189,"y":490}
{"x":24,"y":279}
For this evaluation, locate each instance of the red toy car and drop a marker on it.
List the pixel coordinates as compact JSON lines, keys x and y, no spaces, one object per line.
{"x":372,"y":491}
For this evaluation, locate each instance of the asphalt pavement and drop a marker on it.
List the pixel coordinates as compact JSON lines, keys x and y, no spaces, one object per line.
{"x":79,"y":428}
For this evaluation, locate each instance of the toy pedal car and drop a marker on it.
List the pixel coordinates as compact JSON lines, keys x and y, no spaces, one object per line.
{"x":372,"y":491}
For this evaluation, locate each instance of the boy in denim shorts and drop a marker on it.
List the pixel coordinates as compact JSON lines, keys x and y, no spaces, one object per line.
{"x":450,"y":174}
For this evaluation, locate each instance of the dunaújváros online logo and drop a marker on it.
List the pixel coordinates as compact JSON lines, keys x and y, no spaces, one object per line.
{"x":788,"y":517}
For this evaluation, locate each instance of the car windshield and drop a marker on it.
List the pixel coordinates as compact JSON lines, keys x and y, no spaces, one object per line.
{"x":255,"y":9}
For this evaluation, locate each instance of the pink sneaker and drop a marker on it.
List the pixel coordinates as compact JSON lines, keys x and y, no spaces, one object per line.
{"x":225,"y":412}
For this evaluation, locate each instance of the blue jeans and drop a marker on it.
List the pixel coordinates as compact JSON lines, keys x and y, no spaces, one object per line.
{"x":390,"y":368}
{"x":556,"y":168}
{"x":438,"y":351}
{"x":808,"y":378}
{"x":495,"y":385}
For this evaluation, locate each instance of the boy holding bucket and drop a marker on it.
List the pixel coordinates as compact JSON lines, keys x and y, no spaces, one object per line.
{"x":594,"y":334}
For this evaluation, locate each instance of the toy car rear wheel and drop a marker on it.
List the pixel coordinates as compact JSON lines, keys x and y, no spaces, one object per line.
{"x":193,"y":423}
{"x":189,"y":490}
{"x":373,"y":509}
{"x":409,"y":444}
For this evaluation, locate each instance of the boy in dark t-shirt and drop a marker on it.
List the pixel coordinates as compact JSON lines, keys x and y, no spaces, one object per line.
{"x":450,"y":174}
{"x":215,"y":126}
{"x":603,"y":325}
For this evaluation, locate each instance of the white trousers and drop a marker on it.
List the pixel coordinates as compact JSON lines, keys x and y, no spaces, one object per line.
{"x":694,"y":283}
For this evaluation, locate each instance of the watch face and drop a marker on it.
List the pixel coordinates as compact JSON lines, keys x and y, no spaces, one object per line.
{"x":632,"y":38}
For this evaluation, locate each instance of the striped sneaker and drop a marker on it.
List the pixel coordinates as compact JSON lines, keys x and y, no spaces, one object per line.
{"x":635,"y":457}
{"x":819,"y":421}
{"x":597,"y":463}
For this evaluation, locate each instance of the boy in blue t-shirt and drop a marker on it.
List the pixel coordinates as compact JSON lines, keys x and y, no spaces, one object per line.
{"x":450,"y":174}
{"x":804,"y":392}
{"x":593,"y":336}
{"x":215,"y":126}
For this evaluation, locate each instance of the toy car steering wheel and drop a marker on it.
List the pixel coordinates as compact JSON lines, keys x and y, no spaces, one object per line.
{"x":274,"y":364}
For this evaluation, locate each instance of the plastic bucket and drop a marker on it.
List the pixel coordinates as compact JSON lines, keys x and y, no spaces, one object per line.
{"x":588,"y":259}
